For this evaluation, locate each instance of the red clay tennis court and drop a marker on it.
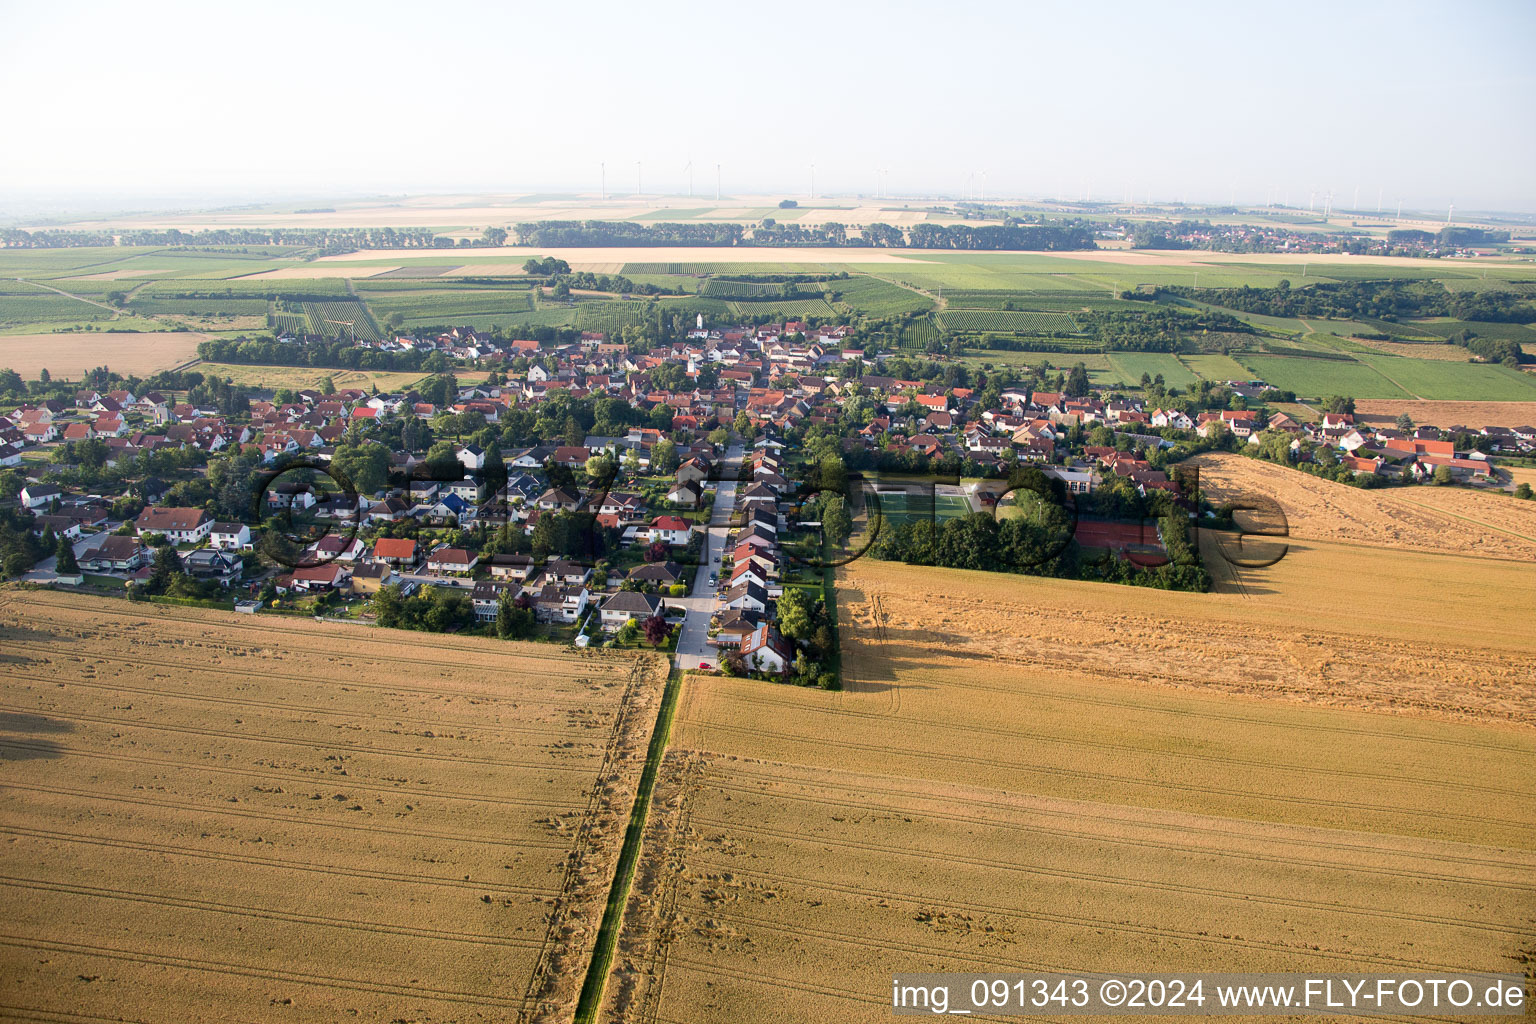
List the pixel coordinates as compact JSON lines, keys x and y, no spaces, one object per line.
{"x":1137,"y":541}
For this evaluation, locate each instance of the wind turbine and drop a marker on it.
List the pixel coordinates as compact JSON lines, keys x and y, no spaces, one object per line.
{"x":813,"y":181}
{"x":638,"y":189}
{"x":983,"y":186}
{"x":1448,"y":214}
{"x":1378,"y":199}
{"x":689,"y":169}
{"x":717,"y":183}
{"x":602,"y":171}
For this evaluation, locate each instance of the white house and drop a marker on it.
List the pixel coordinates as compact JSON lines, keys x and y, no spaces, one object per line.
{"x":667,"y":529}
{"x":39,"y":495}
{"x":765,"y":651}
{"x":178,"y":525}
{"x":230,"y":536}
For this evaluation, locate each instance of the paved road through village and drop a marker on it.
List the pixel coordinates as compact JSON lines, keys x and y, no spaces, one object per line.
{"x":693,"y":647}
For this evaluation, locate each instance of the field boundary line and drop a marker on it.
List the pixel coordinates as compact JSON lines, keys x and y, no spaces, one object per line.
{"x":593,"y":985}
{"x":241,"y":970}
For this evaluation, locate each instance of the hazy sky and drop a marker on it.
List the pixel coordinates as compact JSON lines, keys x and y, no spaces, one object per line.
{"x":1428,"y":102}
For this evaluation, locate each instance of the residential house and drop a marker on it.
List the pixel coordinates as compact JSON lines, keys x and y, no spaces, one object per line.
{"x":399,"y":552}
{"x":212,"y":564}
{"x":746,"y":597}
{"x":563,"y":570}
{"x":452,"y":561}
{"x":115,"y":554}
{"x":763,"y":650}
{"x":627,"y":605}
{"x":368,"y":578}
{"x":230,"y":536}
{"x":178,"y":525}
{"x":509,"y":567}
{"x":40,"y":495}
{"x":667,"y":530}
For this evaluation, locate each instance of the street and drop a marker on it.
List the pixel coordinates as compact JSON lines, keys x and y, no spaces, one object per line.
{"x":693,"y":647}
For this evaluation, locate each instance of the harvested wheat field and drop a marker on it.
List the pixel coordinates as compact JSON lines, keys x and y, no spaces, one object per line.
{"x":211,"y":816}
{"x":1385,"y":411}
{"x":1067,"y":776}
{"x":1424,"y":518}
{"x":71,"y":354}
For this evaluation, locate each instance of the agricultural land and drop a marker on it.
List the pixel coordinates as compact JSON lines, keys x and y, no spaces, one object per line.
{"x":212,"y":816}
{"x":1030,"y":775}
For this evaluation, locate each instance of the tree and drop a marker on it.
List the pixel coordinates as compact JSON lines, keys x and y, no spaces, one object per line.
{"x":514,"y":618}
{"x":664,"y":456}
{"x":395,"y":321}
{"x":1077,"y":384}
{"x":66,"y":564}
{"x":1443,"y":475}
{"x":743,"y":424}
{"x":632,"y":463}
{"x":656,"y":630}
{"x":836,"y":523}
{"x":1405,"y":423}
{"x":656,"y":552}
{"x":364,"y":466}
{"x":1339,"y":405}
{"x":794,"y":614}
{"x":167,"y":567}
{"x":1523,"y":491}
{"x":494,"y":236}
{"x":600,"y":469}
{"x":327,"y":386}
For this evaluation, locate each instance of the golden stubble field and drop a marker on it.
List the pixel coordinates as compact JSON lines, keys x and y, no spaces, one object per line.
{"x":71,"y":354}
{"x":1385,"y":411}
{"x":1456,"y":520}
{"x":1328,"y":769}
{"x":210,"y":816}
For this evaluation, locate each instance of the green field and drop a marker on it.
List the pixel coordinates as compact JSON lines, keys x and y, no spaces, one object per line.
{"x":455,"y":307}
{"x":1215,"y":367}
{"x":784,"y":307}
{"x":1003,"y":322}
{"x":1440,"y":380}
{"x":1317,"y":378}
{"x":1131,"y":365}
{"x":870,"y":296}
{"x":917,"y":335}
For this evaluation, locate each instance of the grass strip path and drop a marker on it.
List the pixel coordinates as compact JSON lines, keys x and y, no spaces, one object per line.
{"x":629,"y":856}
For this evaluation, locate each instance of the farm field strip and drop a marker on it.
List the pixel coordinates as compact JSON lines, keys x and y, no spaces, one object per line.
{"x":75,"y":353}
{"x":179,"y":783}
{"x":1194,"y":815}
{"x":1431,"y":519}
